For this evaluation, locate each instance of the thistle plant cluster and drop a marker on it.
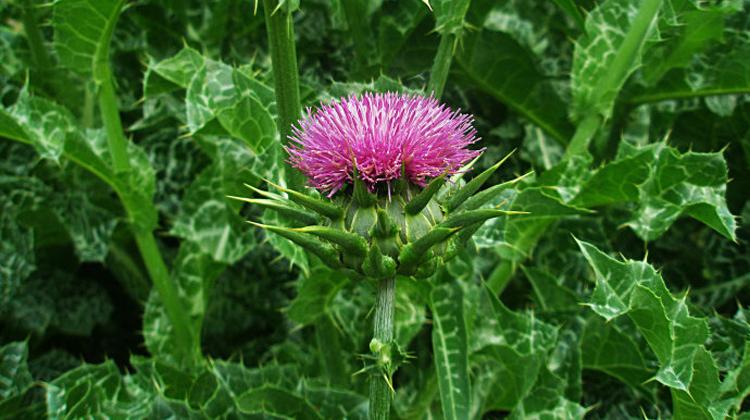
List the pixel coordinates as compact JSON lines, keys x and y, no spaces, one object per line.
{"x":390,"y":168}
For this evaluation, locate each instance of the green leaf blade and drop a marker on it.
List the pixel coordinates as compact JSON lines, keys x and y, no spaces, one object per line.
{"x":449,"y":343}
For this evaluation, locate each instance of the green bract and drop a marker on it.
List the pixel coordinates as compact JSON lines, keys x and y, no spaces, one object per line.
{"x":407,"y":230}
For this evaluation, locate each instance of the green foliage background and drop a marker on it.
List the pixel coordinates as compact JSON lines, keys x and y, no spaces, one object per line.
{"x":620,"y":294}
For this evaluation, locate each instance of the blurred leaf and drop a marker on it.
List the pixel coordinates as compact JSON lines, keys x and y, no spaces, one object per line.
{"x":450,"y":348}
{"x":89,"y":214}
{"x":606,"y":348}
{"x":15,"y":377}
{"x":179,"y":69}
{"x":315,"y":295}
{"x":394,"y":28}
{"x":546,"y":400}
{"x":572,"y":9}
{"x":449,"y":15}
{"x":517,"y":346}
{"x":270,"y":400}
{"x":194,"y":273}
{"x":208,"y":219}
{"x":95,"y":391}
{"x":59,"y":301}
{"x":723,"y":70}
{"x":514,"y":236}
{"x":18,"y":195}
{"x":486,"y":58}
{"x":551,"y":295}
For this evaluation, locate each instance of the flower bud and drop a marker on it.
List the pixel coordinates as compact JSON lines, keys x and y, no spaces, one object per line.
{"x":382,"y":159}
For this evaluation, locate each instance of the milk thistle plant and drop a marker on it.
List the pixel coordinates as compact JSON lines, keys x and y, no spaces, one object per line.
{"x":387,"y":272}
{"x":389,"y":166}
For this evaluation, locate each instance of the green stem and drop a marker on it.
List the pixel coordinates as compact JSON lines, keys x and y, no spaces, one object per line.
{"x":159,"y":274}
{"x":380,"y":388}
{"x":622,"y":64}
{"x":118,"y":144}
{"x":39,"y":53}
{"x":353,"y":12}
{"x":188,"y":341}
{"x":89,"y":106}
{"x":280,"y":29}
{"x":501,"y":276}
{"x":617,"y":72}
{"x":441,"y":67}
{"x":585,"y":131}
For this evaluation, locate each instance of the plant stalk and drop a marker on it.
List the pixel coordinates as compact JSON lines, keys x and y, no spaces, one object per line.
{"x":118,"y":148}
{"x":380,"y":388}
{"x":501,"y":276}
{"x":39,"y":53}
{"x":585,"y":131}
{"x":441,"y":67}
{"x":118,"y":144}
{"x":280,"y":29}
{"x":617,"y":72}
{"x":173,"y":306}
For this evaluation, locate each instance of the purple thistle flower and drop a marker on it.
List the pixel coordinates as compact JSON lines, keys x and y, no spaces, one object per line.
{"x":378,"y":134}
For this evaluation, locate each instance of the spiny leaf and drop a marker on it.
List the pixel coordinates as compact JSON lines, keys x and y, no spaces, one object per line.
{"x":315,"y":294}
{"x":635,"y":289}
{"x":472,"y":186}
{"x":293,"y":213}
{"x":15,"y":377}
{"x":527,"y":90}
{"x":319,"y":206}
{"x":411,"y":254}
{"x":482,"y":197}
{"x":471,"y":217}
{"x":322,"y":250}
{"x":209,"y":220}
{"x":349,"y":242}
{"x":420,"y":201}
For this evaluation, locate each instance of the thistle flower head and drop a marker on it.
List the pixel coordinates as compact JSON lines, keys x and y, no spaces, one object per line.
{"x":377,"y":137}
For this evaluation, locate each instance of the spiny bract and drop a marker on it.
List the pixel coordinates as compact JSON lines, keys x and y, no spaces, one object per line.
{"x":383,"y":160}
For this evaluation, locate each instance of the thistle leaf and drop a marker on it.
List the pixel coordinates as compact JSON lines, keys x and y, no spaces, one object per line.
{"x":479,"y":199}
{"x":322,"y":250}
{"x":349,"y":242}
{"x":471,"y":217}
{"x":472,"y":186}
{"x":280,"y":207}
{"x":321,"y":207}
{"x":421,"y":200}
{"x":413,"y":253}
